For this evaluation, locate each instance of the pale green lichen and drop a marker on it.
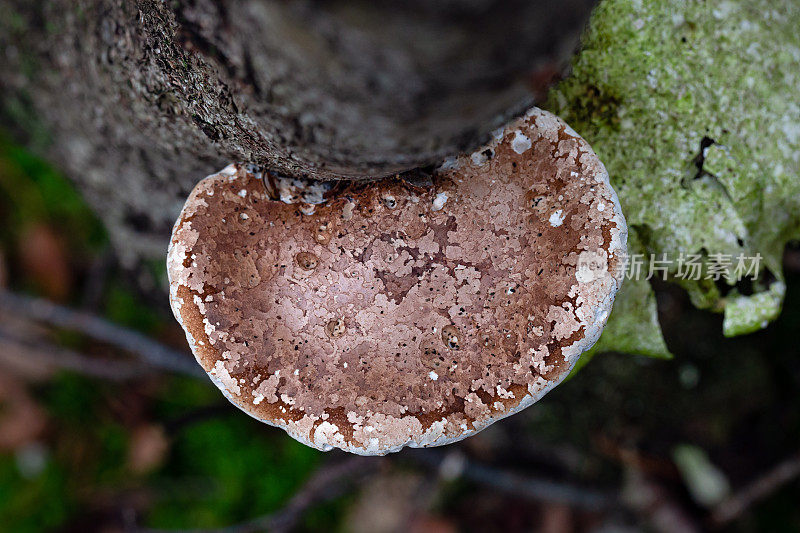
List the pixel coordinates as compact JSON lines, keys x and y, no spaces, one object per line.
{"x":746,"y":314}
{"x":693,"y":108}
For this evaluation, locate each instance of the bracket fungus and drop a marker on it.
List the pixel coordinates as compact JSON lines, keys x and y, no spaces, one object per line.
{"x":390,"y":315}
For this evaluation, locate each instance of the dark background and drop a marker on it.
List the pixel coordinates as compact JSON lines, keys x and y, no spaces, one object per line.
{"x":113,"y":444}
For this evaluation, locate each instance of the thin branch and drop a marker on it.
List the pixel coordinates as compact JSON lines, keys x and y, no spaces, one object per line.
{"x":656,"y":506}
{"x":328,"y":482}
{"x":334,"y":479}
{"x":517,"y":484}
{"x":736,"y":505}
{"x":143,"y":347}
{"x":96,"y":281}
{"x":199,"y":414}
{"x":56,"y":356}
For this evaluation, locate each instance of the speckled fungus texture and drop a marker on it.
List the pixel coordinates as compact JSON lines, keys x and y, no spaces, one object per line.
{"x":392,"y":315}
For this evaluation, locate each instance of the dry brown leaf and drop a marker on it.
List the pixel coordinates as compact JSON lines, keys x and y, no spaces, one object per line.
{"x":22,"y":421}
{"x":3,"y":270}
{"x":148,"y":448}
{"x":557,"y":518}
{"x":22,"y":363}
{"x":427,"y":523}
{"x":44,"y":261}
{"x":385,"y":504}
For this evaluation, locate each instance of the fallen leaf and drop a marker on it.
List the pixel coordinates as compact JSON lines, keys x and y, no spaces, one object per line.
{"x":3,"y":270}
{"x":427,"y":523}
{"x":148,"y":448}
{"x":385,"y":504}
{"x":44,"y":261}
{"x":21,"y":420}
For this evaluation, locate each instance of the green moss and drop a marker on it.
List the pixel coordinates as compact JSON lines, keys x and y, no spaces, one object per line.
{"x":329,"y":516}
{"x":747,"y":314}
{"x":655,"y":83}
{"x":124,"y":307}
{"x":223,"y":472}
{"x":38,"y":503}
{"x":32,"y":191}
{"x":181,"y":393}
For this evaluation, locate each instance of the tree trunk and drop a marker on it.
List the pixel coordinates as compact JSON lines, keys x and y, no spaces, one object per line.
{"x":137,"y":101}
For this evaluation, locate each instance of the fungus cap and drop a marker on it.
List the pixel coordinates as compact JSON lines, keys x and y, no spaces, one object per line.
{"x":393,"y":315}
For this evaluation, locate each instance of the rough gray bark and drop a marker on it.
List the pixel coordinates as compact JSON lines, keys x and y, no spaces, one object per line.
{"x":139,"y":100}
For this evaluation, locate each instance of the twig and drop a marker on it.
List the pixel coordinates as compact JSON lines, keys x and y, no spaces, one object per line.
{"x":519,"y":485}
{"x":144,"y":348}
{"x":656,"y":506}
{"x":63,"y":358}
{"x":326,"y":483}
{"x":199,"y":414}
{"x":736,"y":505}
{"x":333,"y":480}
{"x":519,"y":442}
{"x":96,"y":281}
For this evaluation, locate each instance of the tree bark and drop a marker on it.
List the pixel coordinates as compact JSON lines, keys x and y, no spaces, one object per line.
{"x":137,"y":101}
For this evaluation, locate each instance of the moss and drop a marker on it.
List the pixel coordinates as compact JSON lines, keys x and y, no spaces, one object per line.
{"x":747,"y":314}
{"x":32,"y":191}
{"x":692,"y":107}
{"x":38,"y":503}
{"x":123,"y":307}
{"x":222,"y":471}
{"x":598,"y":106}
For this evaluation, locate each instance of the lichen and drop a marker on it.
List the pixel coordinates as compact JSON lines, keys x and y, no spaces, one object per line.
{"x":692,"y":106}
{"x":746,"y":314}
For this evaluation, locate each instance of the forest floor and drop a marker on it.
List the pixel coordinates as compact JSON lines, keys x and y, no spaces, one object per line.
{"x":629,"y":441}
